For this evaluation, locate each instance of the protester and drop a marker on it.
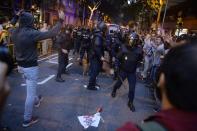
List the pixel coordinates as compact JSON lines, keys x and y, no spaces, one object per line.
{"x":63,"y":41}
{"x":85,"y":44}
{"x":148,"y":56}
{"x":178,"y":89}
{"x":44,"y":42}
{"x":158,"y":53}
{"x":25,"y":39}
{"x":4,"y":36}
{"x":6,"y":66}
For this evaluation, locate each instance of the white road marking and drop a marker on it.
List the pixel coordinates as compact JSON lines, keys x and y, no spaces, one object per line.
{"x":53,"y":58}
{"x":69,"y":65}
{"x":44,"y":81}
{"x":47,"y":79}
{"x":55,"y":62}
{"x":52,"y":62}
{"x":47,"y":57}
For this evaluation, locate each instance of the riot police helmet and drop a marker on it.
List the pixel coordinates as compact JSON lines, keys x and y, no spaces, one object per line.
{"x":133,"y":39}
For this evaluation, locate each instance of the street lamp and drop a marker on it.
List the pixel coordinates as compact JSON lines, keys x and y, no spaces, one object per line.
{"x":129,"y":2}
{"x":83,"y":12}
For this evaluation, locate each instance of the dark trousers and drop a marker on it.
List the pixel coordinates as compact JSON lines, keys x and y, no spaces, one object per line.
{"x":77,"y":45}
{"x":63,"y":62}
{"x":95,"y":68}
{"x":83,"y":51}
{"x":3,"y":97}
{"x":131,"y":77}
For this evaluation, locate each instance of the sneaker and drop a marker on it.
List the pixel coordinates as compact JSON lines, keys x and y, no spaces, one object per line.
{"x":30,"y":122}
{"x":37,"y":104}
{"x":85,"y":86}
{"x":97,"y":85}
{"x":131,"y":106}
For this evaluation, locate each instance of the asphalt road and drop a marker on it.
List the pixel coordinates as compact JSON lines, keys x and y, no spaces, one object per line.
{"x":63,"y":102}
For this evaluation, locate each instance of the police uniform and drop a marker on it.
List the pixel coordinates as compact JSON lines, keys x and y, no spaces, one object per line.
{"x":128,"y":59}
{"x":78,"y":40}
{"x":96,"y":53}
{"x":74,"y":35}
{"x":115,"y":47}
{"x":85,"y":45}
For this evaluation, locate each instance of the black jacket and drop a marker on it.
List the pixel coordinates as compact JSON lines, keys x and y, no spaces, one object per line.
{"x":86,"y":39}
{"x":25,"y":39}
{"x":63,"y":41}
{"x":129,"y":58}
{"x":97,"y":49}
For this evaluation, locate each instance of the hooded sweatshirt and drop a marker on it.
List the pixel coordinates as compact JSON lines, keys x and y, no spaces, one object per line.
{"x":171,"y":120}
{"x":25,"y":38}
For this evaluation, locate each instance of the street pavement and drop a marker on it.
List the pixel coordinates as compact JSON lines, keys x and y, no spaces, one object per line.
{"x":63,"y":102}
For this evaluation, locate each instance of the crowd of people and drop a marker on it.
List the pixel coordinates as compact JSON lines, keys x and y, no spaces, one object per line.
{"x":165,"y":63}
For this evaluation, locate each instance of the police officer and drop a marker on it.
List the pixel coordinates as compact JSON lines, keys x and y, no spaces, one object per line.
{"x":116,"y":43}
{"x":108,"y":46}
{"x":128,"y":59}
{"x":115,"y":48}
{"x":78,"y":40}
{"x":85,"y":44}
{"x":74,"y":36}
{"x":96,"y":55}
{"x":63,"y":41}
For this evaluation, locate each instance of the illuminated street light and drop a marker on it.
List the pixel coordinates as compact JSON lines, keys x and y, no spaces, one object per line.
{"x":84,"y":11}
{"x":129,"y":2}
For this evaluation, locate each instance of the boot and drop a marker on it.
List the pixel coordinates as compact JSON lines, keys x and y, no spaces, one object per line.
{"x":113,"y":94}
{"x":131,"y":106}
{"x":66,"y":72}
{"x":92,"y":88}
{"x":59,"y":79}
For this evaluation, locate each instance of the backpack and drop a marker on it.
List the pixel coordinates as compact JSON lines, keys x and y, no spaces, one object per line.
{"x":151,"y":126}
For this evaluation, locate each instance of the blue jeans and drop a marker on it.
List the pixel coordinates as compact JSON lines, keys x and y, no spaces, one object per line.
{"x":153,"y":74}
{"x":31,"y":75}
{"x":83,"y":51}
{"x":131,"y":77}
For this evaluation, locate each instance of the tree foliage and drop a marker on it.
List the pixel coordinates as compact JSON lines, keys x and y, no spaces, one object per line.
{"x":155,"y":4}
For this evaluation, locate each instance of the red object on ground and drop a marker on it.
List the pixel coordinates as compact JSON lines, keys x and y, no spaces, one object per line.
{"x":100,"y":109}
